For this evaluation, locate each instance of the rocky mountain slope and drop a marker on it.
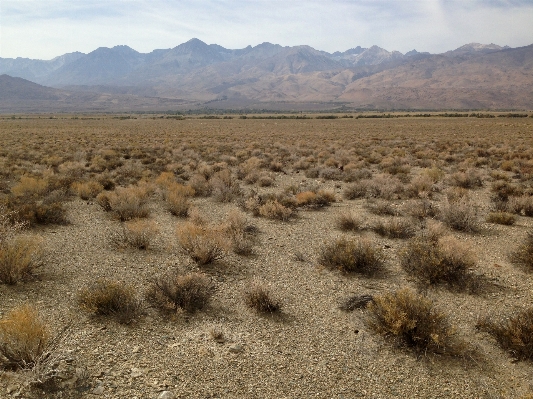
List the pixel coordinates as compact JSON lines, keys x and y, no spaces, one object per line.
{"x":474,"y":76}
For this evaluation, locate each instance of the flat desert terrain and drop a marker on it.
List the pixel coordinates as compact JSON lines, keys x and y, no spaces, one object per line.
{"x":155,"y":257}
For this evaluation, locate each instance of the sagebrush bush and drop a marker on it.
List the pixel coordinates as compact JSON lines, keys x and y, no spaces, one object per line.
{"x":23,"y":338}
{"x":138,"y":233}
{"x":381,"y":207}
{"x":356,"y":190}
{"x":110,"y":298}
{"x":177,"y":202}
{"x":395,"y":228}
{"x":348,"y":221}
{"x":505,"y":218}
{"x":128,"y":203}
{"x":413,"y":320}
{"x":522,"y":205}
{"x":240,"y":233}
{"x":524,"y":253}
{"x":189,"y":292}
{"x":225,"y":187}
{"x":203,"y":244}
{"x":469,"y":179}
{"x":420,"y":209}
{"x":441,"y":260}
{"x":87,"y":190}
{"x":20,"y":259}
{"x":514,"y":333}
{"x":357,"y":255}
{"x":460,"y":215}
{"x":258,"y":297}
{"x":275,"y":210}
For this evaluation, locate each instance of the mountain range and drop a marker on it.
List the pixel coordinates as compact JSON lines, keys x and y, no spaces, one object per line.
{"x":197,"y":75}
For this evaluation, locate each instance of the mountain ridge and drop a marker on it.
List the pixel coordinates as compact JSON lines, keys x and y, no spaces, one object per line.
{"x":473,"y":76}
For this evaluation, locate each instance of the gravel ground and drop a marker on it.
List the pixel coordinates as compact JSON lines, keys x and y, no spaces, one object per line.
{"x":312,"y":349}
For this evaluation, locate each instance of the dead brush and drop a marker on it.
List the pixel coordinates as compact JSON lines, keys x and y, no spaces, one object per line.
{"x":258,"y":297}
{"x":348,"y":221}
{"x":438,"y":260}
{"x":420,"y":209}
{"x":514,"y":333}
{"x":381,"y":207}
{"x":395,"y":228}
{"x":203,"y":244}
{"x":414,"y":321}
{"x":177,"y":198}
{"x":504,"y":218}
{"x":110,"y":298}
{"x":241,"y":234}
{"x":357,"y":255}
{"x":189,"y":292}
{"x":313,"y":200}
{"x":225,"y":187}
{"x":127,"y":203}
{"x":272,"y":209}
{"x":522,"y":205}
{"x":23,"y":338}
{"x":358,"y":189}
{"x":523,"y":255}
{"x":460,"y":215}
{"x":138,"y":233}
{"x":20,"y":259}
{"x":87,"y":190}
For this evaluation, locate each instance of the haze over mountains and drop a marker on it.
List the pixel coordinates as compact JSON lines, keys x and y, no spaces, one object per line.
{"x":197,"y":75}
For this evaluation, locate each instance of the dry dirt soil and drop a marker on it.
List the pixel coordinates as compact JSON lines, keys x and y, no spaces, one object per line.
{"x":311,"y":348}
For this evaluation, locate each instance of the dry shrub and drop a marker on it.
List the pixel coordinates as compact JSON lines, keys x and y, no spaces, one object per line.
{"x":258,"y":297}
{"x":524,"y":253}
{"x":87,"y":190}
{"x":9,"y":226}
{"x":203,"y":244}
{"x":30,"y":187}
{"x":23,"y":338}
{"x":356,"y":255}
{"x":272,"y":209}
{"x":265,"y":181}
{"x":188,"y":292}
{"x":312,"y":199}
{"x":505,"y":218}
{"x":110,"y":298}
{"x":356,"y":190}
{"x":469,"y":179}
{"x":420,"y":209}
{"x":514,"y":333}
{"x":395,"y":228}
{"x":503,"y":190}
{"x":522,"y":205}
{"x":348,"y":221}
{"x":420,"y":186}
{"x":460,"y":215}
{"x":225,"y":188}
{"x":240,"y":232}
{"x":381,"y":207}
{"x":20,"y":258}
{"x":177,"y":200}
{"x":137,"y":233}
{"x":385,"y":187}
{"x":200,"y":185}
{"x":444,"y":260}
{"x":413,"y":320}
{"x":129,"y":203}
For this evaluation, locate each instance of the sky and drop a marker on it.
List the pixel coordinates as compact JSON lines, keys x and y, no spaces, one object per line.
{"x":43,"y":29}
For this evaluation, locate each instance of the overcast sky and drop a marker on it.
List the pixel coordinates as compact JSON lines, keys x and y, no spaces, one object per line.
{"x":44,"y":29}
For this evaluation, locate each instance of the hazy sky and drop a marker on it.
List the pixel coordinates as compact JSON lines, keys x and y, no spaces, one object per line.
{"x":47,"y":28}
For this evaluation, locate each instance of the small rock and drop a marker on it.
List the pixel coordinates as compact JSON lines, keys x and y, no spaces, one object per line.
{"x":166,"y":395}
{"x":98,"y":390}
{"x":236,"y":348}
{"x":135,"y":372}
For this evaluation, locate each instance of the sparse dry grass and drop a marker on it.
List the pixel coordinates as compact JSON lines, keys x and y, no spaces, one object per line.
{"x":189,"y":292}
{"x":110,"y":298}
{"x":20,"y":259}
{"x":203,"y":244}
{"x":259,"y":298}
{"x":413,"y":320}
{"x":23,"y":338}
{"x":357,"y":255}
